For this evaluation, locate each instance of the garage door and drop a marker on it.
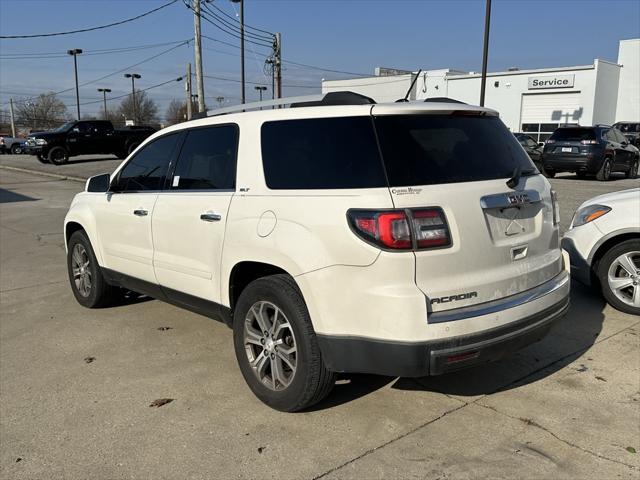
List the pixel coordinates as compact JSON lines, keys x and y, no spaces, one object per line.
{"x":542,"y":113}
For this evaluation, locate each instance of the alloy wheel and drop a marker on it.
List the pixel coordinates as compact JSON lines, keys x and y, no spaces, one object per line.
{"x":623,"y":278}
{"x":270,"y":345}
{"x":81,"y":271}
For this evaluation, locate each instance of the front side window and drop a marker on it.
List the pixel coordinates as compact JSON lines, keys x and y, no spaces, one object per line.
{"x":208,"y":159}
{"x":321,"y":153}
{"x":148,"y":168}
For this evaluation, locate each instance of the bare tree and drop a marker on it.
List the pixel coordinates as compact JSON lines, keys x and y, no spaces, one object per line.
{"x":43,"y":112}
{"x":146,"y":110}
{"x":177,"y":111}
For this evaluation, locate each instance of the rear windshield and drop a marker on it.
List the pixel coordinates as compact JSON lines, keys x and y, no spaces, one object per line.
{"x":628,"y":127}
{"x":434,"y":149}
{"x":574,"y":134}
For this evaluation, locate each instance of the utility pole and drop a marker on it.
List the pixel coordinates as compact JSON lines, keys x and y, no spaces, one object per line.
{"x":133,"y":77}
{"x":187,"y":87}
{"x":13,"y":125}
{"x":104,"y":98}
{"x":197,"y":45}
{"x":277,"y":66}
{"x":485,"y":51}
{"x":75,"y":52}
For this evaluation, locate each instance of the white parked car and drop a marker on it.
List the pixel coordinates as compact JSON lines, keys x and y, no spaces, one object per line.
{"x":604,"y":245}
{"x":403,"y":239}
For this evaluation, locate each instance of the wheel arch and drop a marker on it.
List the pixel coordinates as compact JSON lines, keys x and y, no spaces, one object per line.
{"x":605,"y":244}
{"x":245,"y":272}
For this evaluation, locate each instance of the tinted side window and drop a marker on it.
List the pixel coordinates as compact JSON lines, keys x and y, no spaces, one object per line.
{"x":321,"y":153}
{"x":147,"y":170}
{"x":208,"y":159}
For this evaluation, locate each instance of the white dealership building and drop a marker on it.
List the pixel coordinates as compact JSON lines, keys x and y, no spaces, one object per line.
{"x":536,"y":101}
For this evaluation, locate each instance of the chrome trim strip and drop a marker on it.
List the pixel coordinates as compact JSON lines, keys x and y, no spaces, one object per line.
{"x":501,"y":304}
{"x":510,"y":199}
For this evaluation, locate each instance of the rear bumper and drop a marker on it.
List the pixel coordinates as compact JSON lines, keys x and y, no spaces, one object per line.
{"x":409,"y":359}
{"x":572,"y":163}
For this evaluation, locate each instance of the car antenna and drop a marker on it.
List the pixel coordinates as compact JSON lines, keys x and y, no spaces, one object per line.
{"x":406,"y":97}
{"x":515,"y":178}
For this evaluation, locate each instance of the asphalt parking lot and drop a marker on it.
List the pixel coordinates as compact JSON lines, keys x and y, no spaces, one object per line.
{"x":76,"y":385}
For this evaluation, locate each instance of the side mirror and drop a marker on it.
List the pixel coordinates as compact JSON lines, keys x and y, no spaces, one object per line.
{"x":98,"y":183}
{"x":75,"y":130}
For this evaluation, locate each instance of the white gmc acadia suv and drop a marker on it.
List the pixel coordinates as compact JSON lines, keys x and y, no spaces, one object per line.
{"x":337,"y":235}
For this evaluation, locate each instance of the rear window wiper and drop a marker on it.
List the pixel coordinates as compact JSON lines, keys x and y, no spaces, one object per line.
{"x":515,"y":178}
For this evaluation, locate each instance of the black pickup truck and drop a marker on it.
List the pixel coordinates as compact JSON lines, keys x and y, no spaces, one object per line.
{"x":84,"y":138}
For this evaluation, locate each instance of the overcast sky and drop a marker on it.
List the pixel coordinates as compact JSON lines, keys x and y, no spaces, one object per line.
{"x":351,"y":36}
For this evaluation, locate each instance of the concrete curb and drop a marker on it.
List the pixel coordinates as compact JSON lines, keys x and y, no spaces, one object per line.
{"x":46,"y":174}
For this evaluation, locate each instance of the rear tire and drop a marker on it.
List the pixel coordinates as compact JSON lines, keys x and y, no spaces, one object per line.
{"x":58,"y":156}
{"x":633,"y":170}
{"x":546,"y":172}
{"x":619,"y":275}
{"x":276,"y":346}
{"x":604,"y":174}
{"x":16,"y":149}
{"x":42,"y":159}
{"x":85,"y":275}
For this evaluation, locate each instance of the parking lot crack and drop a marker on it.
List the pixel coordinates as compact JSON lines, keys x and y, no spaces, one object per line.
{"x":535,"y":424}
{"x":393,"y":440}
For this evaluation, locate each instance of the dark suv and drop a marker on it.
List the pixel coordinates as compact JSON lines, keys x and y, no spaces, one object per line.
{"x":598,"y":150}
{"x":631,"y":130}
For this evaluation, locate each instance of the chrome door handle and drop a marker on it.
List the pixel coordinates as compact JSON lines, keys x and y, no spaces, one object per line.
{"x":140,"y":212}
{"x":210,"y":217}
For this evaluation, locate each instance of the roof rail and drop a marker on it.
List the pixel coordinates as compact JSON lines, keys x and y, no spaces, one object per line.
{"x":266,"y":103}
{"x":331,"y":98}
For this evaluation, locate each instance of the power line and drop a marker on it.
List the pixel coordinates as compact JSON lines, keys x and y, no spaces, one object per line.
{"x":129,"y":94}
{"x":186,"y":42}
{"x":106,"y":51}
{"x":238,"y":22}
{"x":91,"y":28}
{"x":256,"y":83}
{"x":237,"y":28}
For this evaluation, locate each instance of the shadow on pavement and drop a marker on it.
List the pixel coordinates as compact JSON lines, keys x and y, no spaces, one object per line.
{"x":90,"y":160}
{"x":7,"y":196}
{"x":567,"y":341}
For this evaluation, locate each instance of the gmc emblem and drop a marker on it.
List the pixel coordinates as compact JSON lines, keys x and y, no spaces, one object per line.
{"x":518,"y":198}
{"x":454,"y":298}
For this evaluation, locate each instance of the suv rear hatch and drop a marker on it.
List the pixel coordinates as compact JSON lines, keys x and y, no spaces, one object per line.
{"x":503,"y":241}
{"x":571,"y":141}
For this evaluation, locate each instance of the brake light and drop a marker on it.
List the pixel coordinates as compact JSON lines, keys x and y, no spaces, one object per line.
{"x":401,"y":229}
{"x":589,"y":142}
{"x":550,"y":141}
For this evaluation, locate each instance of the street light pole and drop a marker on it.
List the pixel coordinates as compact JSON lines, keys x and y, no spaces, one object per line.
{"x":260,"y":88}
{"x":75,"y":52}
{"x":133,"y":77}
{"x":485,"y":51}
{"x":104,"y":98}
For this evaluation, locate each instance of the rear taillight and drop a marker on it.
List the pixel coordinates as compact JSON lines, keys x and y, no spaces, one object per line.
{"x":550,"y":141}
{"x":589,"y":142}
{"x":415,"y":229}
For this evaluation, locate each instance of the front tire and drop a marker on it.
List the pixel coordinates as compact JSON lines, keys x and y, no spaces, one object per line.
{"x":276,"y":346}
{"x":604,"y":174}
{"x":16,"y":149}
{"x":619,"y":275}
{"x":58,"y":156}
{"x":85,"y":275}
